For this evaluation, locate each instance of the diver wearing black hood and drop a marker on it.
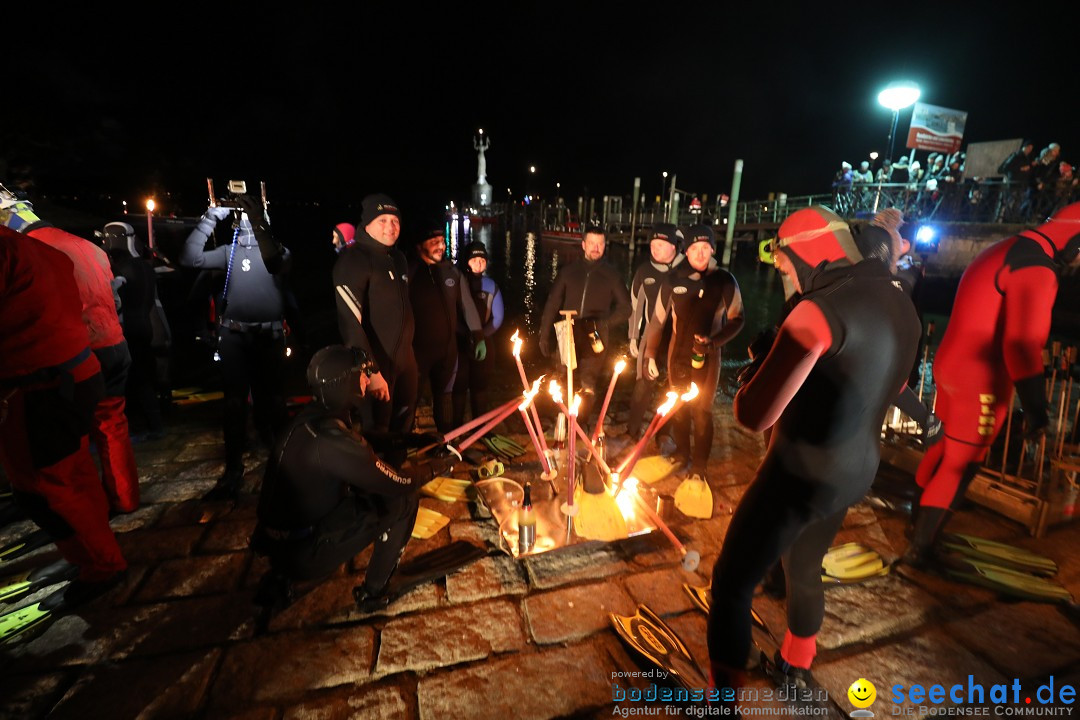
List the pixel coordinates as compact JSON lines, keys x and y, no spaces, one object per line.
{"x":251,"y":338}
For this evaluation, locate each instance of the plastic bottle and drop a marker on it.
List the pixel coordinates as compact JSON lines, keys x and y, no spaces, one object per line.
{"x":597,"y":343}
{"x":697,"y":355}
{"x":526,"y":522}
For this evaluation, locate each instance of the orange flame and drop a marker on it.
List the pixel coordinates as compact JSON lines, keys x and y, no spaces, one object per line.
{"x":555,"y":391}
{"x":529,"y":395}
{"x":691,"y":393}
{"x":517,"y":344}
{"x":666,"y":407}
{"x":575,"y":405}
{"x":620,"y":366}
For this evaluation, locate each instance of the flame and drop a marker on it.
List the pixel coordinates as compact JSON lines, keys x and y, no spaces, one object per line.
{"x":517,"y":344}
{"x":150,"y":205}
{"x":620,"y":366}
{"x":666,"y":407}
{"x":530,"y":394}
{"x":691,"y":393}
{"x":555,"y":391}
{"x":575,"y":405}
{"x":625,"y":499}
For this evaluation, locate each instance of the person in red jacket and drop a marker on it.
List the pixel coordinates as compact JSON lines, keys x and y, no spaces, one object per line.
{"x":998,"y":328}
{"x":93,"y":277}
{"x":50,"y":383}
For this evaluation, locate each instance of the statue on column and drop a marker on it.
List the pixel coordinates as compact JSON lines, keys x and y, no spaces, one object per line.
{"x":481,"y":190}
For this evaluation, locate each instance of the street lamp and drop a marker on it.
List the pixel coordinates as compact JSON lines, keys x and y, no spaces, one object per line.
{"x":897,"y":96}
{"x":663,"y":189}
{"x":150,"y":223}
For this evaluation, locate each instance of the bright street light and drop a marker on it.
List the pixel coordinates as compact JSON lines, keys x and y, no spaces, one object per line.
{"x":897,"y":96}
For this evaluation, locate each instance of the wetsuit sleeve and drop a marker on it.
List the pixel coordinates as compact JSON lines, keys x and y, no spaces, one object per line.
{"x":497,"y":311}
{"x":350,"y":293}
{"x":354,"y":462}
{"x":192,"y":254}
{"x":803,"y":338}
{"x":467,"y":306}
{"x":637,"y":304}
{"x":1029,"y":299}
{"x":728,"y":320}
{"x":654,"y":330}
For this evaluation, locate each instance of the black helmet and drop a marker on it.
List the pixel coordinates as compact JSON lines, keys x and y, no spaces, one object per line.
{"x":334,"y":376}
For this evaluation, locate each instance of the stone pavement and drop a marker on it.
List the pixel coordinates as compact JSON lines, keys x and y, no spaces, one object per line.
{"x":501,"y":639}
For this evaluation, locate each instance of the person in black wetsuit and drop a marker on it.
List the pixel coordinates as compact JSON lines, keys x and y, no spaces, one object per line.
{"x":592,"y":287}
{"x":664,"y":255}
{"x":251,"y":332}
{"x":327,"y":494}
{"x":473,"y":375}
{"x":371,"y":282}
{"x":137,"y":287}
{"x":703,"y":305}
{"x":840,"y":358}
{"x":439,"y":295}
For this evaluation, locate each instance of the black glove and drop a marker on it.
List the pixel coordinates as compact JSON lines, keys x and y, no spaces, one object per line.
{"x":759,"y":347}
{"x":1032,"y":395}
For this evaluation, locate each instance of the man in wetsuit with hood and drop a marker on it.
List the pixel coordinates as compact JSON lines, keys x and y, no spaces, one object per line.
{"x":840,"y":358}
{"x":251,"y":337}
{"x":998,"y":328}
{"x":327,"y":495}
{"x":374,"y":313}
{"x":591,"y":287}
{"x":702,"y":304}
{"x":664,"y":254}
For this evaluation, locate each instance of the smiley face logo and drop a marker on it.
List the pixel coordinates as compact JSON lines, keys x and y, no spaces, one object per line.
{"x":862,"y":693}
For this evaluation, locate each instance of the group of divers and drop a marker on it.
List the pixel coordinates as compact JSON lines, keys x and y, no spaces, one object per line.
{"x":345,"y":472}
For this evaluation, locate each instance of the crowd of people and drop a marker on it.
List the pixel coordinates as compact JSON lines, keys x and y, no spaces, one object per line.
{"x":345,"y":472}
{"x":1034,"y":186}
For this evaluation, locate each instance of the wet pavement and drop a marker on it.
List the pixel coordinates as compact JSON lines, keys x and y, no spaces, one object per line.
{"x":501,"y":639}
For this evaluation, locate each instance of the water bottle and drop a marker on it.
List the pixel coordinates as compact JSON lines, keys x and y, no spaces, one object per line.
{"x":597,"y":343}
{"x":697,"y":355}
{"x":601,"y":446}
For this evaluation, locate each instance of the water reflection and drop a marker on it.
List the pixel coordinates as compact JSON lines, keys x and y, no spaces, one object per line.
{"x":530,"y":281}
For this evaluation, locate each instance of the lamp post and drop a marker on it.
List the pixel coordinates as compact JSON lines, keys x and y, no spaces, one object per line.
{"x":663,"y":191}
{"x":897,"y":96}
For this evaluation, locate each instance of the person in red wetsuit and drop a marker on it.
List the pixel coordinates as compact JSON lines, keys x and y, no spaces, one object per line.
{"x":50,"y":383}
{"x":94,"y":277}
{"x":840,"y":357}
{"x":993,"y":343}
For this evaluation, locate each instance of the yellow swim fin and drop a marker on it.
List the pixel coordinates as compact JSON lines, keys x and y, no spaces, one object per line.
{"x":693,"y":498}
{"x":851,"y":563}
{"x":598,"y":516}
{"x":653,"y":468}
{"x":428,"y":522}
{"x":448,"y":489}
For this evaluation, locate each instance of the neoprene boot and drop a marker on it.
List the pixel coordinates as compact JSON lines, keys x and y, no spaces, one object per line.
{"x":929,"y":523}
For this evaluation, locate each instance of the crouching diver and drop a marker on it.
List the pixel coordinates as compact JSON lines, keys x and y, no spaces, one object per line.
{"x":840,"y":357}
{"x":327,"y":495}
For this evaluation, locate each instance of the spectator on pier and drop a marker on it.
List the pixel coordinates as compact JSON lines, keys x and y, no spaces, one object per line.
{"x":900,"y":172}
{"x":1017,"y":167}
{"x":884,"y":173}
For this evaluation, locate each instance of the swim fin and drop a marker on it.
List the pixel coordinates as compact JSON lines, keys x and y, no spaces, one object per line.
{"x":17,"y":624}
{"x":447,"y":489}
{"x":693,"y":498}
{"x":701,"y":596}
{"x":650,"y":637}
{"x":996,"y":553}
{"x":20,"y":547}
{"x":428,"y":522}
{"x":1005,"y":580}
{"x":21,"y":584}
{"x":420,"y":570}
{"x":653,"y":468}
{"x":598,"y":516}
{"x":851,"y":563}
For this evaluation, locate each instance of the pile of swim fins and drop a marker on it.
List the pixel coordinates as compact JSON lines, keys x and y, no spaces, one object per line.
{"x":503,"y":447}
{"x":19,"y":623}
{"x":1006,"y":568}
{"x":25,"y":544}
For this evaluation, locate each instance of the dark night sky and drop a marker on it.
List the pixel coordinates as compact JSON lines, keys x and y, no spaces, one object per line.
{"x":332,"y":105}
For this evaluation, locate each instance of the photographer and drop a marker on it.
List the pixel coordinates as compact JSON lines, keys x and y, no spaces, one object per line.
{"x":251,"y":337}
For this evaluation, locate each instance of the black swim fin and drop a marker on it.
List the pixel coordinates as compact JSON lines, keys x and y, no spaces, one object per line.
{"x":22,"y":584}
{"x":418,"y":571}
{"x":20,"y":547}
{"x":652,"y":638}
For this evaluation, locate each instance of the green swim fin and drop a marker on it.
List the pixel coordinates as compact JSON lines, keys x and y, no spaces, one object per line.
{"x":1005,"y":580}
{"x":17,"y":624}
{"x":851,"y":563}
{"x":653,"y":639}
{"x":997,"y":553}
{"x":422,"y":569}
{"x":21,"y":584}
{"x":20,"y":547}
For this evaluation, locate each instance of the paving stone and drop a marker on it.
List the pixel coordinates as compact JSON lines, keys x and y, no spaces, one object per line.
{"x":649,"y":551}
{"x":424,"y":597}
{"x":576,"y":612}
{"x":30,"y":697}
{"x":872,"y":611}
{"x":172,"y":686}
{"x":143,"y":546}
{"x":284,"y":667}
{"x":580,"y":563}
{"x":179,"y":625}
{"x":1028,"y":639}
{"x":200,"y":452}
{"x":189,"y":513}
{"x":859,"y":515}
{"x":478,"y":532}
{"x":449,"y":637}
{"x":228,"y":535}
{"x":198,"y":575}
{"x":328,"y":599}
{"x":662,"y":590}
{"x":561,"y":682}
{"x":178,"y":489}
{"x":145,"y":516}
{"x":929,"y":658}
{"x":376,"y":703}
{"x":488,"y":577}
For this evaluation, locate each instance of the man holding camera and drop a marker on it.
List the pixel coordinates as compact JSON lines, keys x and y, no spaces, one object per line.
{"x":251,"y":332}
